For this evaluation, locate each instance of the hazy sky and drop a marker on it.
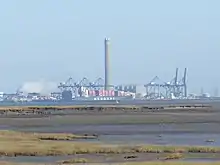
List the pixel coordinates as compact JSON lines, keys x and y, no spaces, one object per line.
{"x":54,"y":39}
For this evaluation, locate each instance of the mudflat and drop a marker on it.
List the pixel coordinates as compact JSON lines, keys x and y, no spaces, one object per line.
{"x":91,"y":123}
{"x":113,"y":116}
{"x":47,"y":144}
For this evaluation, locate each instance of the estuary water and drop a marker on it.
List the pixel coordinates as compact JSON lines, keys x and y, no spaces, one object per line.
{"x":166,"y":134}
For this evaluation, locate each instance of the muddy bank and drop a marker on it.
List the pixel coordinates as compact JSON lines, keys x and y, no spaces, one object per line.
{"x":131,"y":106}
{"x":160,"y":127}
{"x":116,"y":117}
{"x":118,"y":158}
{"x":125,"y":129}
{"x":48,"y":144}
{"x":120,"y":124}
{"x":45,"y":111}
{"x":44,"y":148}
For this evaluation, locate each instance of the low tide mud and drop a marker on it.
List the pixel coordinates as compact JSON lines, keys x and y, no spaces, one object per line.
{"x":40,"y":111}
{"x":199,"y":127}
{"x":115,"y":159}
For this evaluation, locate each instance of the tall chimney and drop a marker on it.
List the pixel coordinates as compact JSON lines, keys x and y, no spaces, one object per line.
{"x":107,"y":83}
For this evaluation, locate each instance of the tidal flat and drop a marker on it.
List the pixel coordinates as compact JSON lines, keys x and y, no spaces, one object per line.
{"x":111,"y":136}
{"x":42,"y":145}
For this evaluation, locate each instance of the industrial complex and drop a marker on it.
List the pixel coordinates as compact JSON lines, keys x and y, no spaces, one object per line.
{"x":102,"y":89}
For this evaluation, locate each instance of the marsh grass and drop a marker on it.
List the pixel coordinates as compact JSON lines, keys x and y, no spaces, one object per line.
{"x":174,"y":156}
{"x":30,"y":144}
{"x":72,"y":161}
{"x":13,"y":135}
{"x":63,"y":136}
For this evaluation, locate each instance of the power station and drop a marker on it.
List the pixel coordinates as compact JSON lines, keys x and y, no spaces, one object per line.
{"x":156,"y":89}
{"x":102,"y":89}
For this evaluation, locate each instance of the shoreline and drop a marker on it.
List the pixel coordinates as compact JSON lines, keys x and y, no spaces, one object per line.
{"x":104,"y":107}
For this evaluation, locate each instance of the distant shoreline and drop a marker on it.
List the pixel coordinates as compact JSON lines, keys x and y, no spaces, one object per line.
{"x":113,"y":102}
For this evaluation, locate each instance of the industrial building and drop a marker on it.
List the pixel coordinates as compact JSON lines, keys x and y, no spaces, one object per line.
{"x":103,"y":89}
{"x":94,"y":89}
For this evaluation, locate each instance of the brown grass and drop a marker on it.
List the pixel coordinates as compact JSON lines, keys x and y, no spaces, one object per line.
{"x":174,"y":156}
{"x":72,"y":161}
{"x":63,"y":136}
{"x":42,"y":136}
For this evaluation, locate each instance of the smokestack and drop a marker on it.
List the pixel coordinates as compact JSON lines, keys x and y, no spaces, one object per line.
{"x":107,"y":83}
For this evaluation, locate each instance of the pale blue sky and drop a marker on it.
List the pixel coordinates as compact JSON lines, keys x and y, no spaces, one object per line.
{"x":54,"y":39}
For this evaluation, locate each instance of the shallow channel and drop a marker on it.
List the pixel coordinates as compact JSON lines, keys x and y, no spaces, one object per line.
{"x":166,"y":134}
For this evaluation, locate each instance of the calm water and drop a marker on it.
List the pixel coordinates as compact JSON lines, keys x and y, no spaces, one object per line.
{"x":163,"y":139}
{"x":201,"y":160}
{"x":125,"y":129}
{"x":36,"y":159}
{"x":123,"y":101}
